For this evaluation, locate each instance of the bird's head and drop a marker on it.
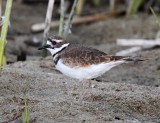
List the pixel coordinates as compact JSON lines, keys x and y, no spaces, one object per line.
{"x":54,"y":44}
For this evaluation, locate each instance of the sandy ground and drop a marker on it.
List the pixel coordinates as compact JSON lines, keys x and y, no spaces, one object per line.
{"x":121,"y":97}
{"x":129,"y":93}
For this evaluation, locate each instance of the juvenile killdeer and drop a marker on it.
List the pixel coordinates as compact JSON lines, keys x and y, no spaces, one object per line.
{"x":81,"y":62}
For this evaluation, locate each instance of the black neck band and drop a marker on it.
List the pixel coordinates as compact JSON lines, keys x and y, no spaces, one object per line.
{"x":60,"y":50}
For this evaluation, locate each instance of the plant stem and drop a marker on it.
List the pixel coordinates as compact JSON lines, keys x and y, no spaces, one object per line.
{"x":97,"y":2}
{"x":133,"y":6}
{"x":0,"y":8}
{"x":25,"y":113}
{"x":79,"y":7}
{"x":68,"y":24}
{"x":47,"y":24}
{"x":112,"y":5}
{"x":61,"y":26}
{"x":157,"y":19}
{"x":4,"y":31}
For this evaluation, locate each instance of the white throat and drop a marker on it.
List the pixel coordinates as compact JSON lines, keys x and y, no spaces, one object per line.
{"x":55,"y":50}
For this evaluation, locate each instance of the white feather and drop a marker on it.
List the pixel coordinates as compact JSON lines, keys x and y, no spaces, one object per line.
{"x":49,"y":43}
{"x":89,"y":72}
{"x":55,"y":50}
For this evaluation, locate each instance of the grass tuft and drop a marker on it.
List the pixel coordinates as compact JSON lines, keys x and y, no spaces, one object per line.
{"x":25,"y":114}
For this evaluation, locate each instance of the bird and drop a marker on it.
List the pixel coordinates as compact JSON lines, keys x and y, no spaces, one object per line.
{"x":79,"y":61}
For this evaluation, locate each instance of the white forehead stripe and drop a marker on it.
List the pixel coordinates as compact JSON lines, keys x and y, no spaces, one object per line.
{"x":58,"y":41}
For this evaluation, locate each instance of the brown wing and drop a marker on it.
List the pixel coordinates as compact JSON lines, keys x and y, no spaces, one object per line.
{"x":84,"y":56}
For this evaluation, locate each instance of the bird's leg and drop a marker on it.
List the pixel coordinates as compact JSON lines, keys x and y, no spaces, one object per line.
{"x":85,"y":91}
{"x":90,"y":84}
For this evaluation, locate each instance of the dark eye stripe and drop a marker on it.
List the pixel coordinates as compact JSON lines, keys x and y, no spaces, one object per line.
{"x":49,"y":40}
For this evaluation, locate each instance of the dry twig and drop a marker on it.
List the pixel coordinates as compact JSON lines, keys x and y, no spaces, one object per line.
{"x":47,"y":23}
{"x":68,"y":23}
{"x":128,"y":51}
{"x":61,"y":25}
{"x":138,"y":45}
{"x":138,"y":42}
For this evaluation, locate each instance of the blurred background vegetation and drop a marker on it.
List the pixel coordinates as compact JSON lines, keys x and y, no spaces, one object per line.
{"x":65,"y":16}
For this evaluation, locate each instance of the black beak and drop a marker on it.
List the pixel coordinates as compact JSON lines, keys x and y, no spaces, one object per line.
{"x":44,"y":47}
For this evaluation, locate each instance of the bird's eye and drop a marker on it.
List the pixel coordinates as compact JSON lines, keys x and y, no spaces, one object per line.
{"x":54,"y":43}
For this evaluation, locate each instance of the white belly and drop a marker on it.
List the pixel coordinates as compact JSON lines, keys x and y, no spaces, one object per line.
{"x":89,"y":72}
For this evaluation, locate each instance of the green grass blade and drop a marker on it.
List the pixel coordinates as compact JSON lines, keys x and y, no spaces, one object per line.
{"x":157,"y":19}
{"x":4,"y":31}
{"x":133,"y":6}
{"x":97,"y":2}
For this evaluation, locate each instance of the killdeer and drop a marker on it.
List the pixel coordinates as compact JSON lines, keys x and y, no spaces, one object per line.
{"x":80,"y":62}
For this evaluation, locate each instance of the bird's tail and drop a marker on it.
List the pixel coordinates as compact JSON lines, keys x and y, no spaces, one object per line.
{"x":126,"y":58}
{"x":134,"y":59}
